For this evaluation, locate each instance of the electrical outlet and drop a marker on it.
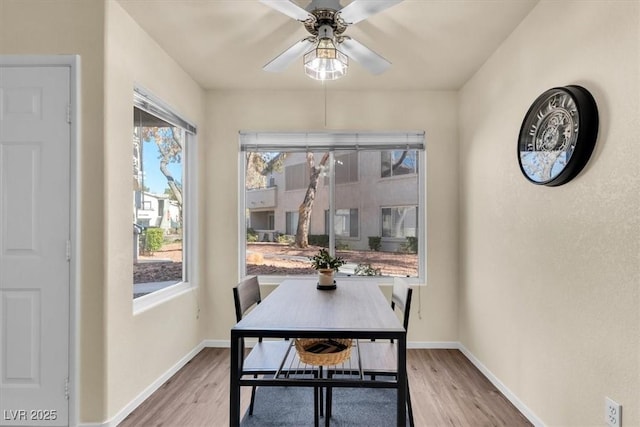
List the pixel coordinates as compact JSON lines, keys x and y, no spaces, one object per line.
{"x":612,"y":413}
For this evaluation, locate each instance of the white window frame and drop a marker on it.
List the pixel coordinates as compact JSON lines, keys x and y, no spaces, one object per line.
{"x":332,"y":142}
{"x":148,"y":102}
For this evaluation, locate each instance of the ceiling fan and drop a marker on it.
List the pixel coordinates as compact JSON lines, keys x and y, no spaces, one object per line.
{"x":327,"y":49}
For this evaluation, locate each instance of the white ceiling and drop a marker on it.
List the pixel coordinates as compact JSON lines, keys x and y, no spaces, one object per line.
{"x":432,"y":44}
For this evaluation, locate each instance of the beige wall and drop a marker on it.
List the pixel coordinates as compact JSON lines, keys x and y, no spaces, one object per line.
{"x":435,"y":112}
{"x":120,"y":354}
{"x":140,"y":348}
{"x":561,"y":336}
{"x":76,"y":27}
{"x":549,"y":296}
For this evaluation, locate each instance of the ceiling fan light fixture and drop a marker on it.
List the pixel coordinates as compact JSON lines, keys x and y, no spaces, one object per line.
{"x":325,"y":61}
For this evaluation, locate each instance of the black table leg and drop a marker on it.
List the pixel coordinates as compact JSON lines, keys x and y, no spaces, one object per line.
{"x":402,"y":381}
{"x":234,"y":386}
{"x":329,"y":401}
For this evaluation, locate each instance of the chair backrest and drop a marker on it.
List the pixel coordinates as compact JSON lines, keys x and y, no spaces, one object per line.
{"x":401,"y":299}
{"x":245,"y":295}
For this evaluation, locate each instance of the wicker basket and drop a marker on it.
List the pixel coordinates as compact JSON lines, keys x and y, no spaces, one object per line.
{"x":303,"y":345}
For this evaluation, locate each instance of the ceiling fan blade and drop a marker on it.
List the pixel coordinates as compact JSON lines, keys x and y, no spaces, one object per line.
{"x":282,"y":61}
{"x":290,"y":9}
{"x":364,"y":56}
{"x":358,"y":10}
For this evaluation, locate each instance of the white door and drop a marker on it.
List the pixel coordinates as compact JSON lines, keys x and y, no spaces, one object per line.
{"x":34,"y":236}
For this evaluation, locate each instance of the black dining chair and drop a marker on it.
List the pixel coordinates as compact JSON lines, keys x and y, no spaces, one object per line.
{"x":266,"y":356}
{"x":379,"y":358}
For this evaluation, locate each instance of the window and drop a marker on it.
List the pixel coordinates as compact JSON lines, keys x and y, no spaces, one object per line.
{"x":340,"y":202}
{"x":271,"y":221}
{"x":345,"y":168}
{"x":345,"y":222}
{"x":398,"y":162}
{"x":400,"y":222}
{"x":296,"y":176}
{"x":292,"y":223}
{"x":161,"y":197}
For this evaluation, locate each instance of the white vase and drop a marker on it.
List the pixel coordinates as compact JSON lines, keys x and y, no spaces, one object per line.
{"x":325,"y":277}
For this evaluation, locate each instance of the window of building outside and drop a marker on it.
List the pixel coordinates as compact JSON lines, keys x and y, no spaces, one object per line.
{"x":161,"y":199}
{"x":398,"y":162}
{"x":400,"y":222}
{"x":345,"y":222}
{"x":346,"y":168}
{"x":296,"y":176}
{"x":354,"y":209}
{"x":292,"y":222}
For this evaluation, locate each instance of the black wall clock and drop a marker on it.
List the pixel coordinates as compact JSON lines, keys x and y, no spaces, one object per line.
{"x":558,"y":135}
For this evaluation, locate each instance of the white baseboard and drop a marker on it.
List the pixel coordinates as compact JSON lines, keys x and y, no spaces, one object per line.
{"x":129,"y":408}
{"x":434,"y":345}
{"x":528,"y":413}
{"x":124,"y":412}
{"x":216,"y":343}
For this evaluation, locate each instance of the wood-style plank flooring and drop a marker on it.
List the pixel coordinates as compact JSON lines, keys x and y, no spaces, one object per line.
{"x":446,"y":390}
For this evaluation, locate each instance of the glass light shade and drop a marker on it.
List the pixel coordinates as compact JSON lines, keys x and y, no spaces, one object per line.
{"x":325,"y":62}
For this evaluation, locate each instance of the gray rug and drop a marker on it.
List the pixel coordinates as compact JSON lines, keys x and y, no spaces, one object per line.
{"x":293,"y":406}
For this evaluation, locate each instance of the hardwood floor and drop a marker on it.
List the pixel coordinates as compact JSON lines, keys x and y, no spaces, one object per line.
{"x":446,"y":390}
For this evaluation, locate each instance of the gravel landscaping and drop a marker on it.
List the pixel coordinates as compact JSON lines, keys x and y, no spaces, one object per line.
{"x":274,"y":259}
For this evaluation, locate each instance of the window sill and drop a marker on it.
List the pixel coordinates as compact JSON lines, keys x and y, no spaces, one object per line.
{"x":154,"y":299}
{"x":373,"y":280}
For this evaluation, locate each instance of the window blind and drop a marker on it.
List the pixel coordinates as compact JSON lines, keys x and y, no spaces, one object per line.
{"x":330,"y":141}
{"x":147,"y":102}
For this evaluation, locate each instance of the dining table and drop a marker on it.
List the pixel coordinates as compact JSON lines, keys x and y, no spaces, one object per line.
{"x":357,"y":309}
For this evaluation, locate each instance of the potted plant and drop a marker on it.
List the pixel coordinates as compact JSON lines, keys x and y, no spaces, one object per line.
{"x":326,"y":265}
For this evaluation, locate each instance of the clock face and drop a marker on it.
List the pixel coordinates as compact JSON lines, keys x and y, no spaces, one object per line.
{"x":552,"y":136}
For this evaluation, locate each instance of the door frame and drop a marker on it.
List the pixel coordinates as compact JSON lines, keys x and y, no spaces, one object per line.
{"x":73,"y":63}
